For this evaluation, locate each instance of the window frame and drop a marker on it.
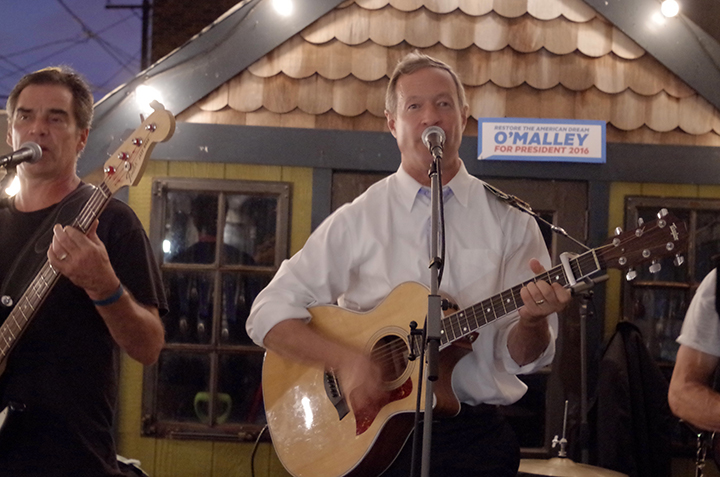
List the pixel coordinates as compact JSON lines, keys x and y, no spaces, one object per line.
{"x":151,"y":425}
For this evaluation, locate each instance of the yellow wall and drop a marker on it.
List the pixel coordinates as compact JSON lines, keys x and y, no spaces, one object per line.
{"x":190,"y":458}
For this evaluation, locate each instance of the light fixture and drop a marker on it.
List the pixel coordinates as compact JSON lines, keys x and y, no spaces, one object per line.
{"x":144,"y":95}
{"x":14,"y":187}
{"x":670,"y":8}
{"x":283,"y":7}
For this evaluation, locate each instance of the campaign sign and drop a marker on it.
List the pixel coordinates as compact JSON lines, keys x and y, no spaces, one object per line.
{"x":524,"y":139}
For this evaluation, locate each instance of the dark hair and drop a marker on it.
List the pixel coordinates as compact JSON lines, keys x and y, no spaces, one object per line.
{"x":63,"y":76}
{"x":411,"y":63}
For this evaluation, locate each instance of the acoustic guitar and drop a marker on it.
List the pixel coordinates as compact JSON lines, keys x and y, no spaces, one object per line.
{"x":313,"y":427}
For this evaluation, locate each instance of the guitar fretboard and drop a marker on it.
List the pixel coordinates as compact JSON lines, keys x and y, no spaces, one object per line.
{"x":464,"y":322}
{"x":38,"y":290}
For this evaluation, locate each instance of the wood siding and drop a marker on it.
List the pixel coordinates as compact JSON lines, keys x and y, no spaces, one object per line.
{"x":516,"y":58}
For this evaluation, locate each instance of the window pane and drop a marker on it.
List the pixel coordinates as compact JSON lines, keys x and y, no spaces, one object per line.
{"x":191,"y":227}
{"x":239,"y":292}
{"x":183,"y":380}
{"x":250,"y":226}
{"x":239,"y":383}
{"x":190,"y":299}
{"x":659,"y":313}
{"x":707,"y":243}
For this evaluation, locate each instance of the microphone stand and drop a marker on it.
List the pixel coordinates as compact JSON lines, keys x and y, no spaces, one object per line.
{"x":432,"y":325}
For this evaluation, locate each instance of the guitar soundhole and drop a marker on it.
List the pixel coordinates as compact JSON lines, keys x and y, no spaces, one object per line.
{"x":391,"y":354}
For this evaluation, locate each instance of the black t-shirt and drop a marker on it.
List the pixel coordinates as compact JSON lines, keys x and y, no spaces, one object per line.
{"x":64,"y":368}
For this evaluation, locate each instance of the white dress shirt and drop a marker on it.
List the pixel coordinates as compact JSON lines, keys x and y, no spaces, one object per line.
{"x":365,"y":249}
{"x":701,"y":325}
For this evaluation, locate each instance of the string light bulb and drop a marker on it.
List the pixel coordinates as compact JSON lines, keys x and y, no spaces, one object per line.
{"x":284,"y":8}
{"x":670,"y":8}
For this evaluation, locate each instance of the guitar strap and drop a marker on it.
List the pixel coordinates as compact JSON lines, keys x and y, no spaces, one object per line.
{"x":510,"y":199}
{"x":34,"y":253}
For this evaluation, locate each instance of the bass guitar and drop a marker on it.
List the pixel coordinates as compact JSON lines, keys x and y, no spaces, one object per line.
{"x":124,"y":168}
{"x":315,"y":432}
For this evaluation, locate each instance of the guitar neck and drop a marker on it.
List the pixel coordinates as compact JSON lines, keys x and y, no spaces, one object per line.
{"x":38,"y":290}
{"x":465,"y":322}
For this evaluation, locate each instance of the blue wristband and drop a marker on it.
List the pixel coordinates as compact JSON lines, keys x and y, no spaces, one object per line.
{"x":112,"y":298}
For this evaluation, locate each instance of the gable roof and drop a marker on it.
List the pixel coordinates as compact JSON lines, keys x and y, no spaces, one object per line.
{"x":539,"y":52}
{"x":232,"y":43}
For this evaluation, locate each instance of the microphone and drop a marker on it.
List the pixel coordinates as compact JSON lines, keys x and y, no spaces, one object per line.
{"x":434,"y":138}
{"x":28,"y":152}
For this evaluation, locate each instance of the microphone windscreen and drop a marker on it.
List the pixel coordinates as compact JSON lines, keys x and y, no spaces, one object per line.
{"x":428,"y":132}
{"x":35,"y":148}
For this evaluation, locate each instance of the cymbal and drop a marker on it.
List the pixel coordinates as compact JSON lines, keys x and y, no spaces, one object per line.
{"x":564,"y":467}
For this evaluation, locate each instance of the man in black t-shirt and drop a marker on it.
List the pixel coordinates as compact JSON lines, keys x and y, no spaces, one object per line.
{"x":63,"y":370}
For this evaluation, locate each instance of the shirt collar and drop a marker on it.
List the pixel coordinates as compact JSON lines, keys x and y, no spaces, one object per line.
{"x":408,"y":187}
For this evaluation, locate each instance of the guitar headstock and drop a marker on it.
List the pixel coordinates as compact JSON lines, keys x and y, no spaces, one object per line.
{"x":664,"y":237}
{"x":127,"y":164}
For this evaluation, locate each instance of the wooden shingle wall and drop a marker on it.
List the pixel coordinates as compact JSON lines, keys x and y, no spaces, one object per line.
{"x":517,"y":58}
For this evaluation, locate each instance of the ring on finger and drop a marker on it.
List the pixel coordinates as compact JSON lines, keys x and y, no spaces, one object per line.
{"x":62,"y":257}
{"x":539,"y":302}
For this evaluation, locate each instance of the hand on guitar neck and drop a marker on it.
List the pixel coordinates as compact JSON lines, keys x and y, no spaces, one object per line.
{"x":531,"y":336}
{"x":84,"y":260}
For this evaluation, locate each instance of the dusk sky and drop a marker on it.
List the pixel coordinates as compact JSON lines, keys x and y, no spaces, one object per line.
{"x":103,"y":44}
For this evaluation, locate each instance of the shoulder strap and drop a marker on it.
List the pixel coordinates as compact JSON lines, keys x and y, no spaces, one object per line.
{"x":509,"y":198}
{"x":33,"y":254}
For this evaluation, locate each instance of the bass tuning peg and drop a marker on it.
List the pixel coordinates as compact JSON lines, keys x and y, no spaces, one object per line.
{"x":630,"y":275}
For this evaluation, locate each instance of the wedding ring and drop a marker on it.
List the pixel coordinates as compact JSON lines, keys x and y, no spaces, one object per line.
{"x":539,"y":302}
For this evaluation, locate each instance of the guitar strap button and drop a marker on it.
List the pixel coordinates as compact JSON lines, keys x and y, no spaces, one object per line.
{"x":6,"y":300}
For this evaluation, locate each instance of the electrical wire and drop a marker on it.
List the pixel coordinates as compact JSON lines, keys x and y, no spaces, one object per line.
{"x":11,"y":67}
{"x":93,"y":36}
{"x":254,"y":450}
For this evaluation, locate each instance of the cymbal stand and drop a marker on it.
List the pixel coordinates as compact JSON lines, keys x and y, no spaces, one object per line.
{"x":562,"y":441}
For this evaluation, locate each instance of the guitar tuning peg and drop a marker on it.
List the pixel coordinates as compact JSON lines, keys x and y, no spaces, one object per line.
{"x":655,"y":267}
{"x":640,"y":221}
{"x":679,"y":260}
{"x":662,"y":213}
{"x":618,"y":230}
{"x":630,"y":275}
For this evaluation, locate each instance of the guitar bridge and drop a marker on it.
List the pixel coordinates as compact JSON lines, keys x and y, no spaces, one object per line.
{"x":332,"y":389}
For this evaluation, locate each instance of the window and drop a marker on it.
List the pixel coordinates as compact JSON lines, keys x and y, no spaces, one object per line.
{"x":219,"y":243}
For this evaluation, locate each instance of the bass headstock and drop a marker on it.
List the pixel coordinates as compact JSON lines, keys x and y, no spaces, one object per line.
{"x":127,"y":164}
